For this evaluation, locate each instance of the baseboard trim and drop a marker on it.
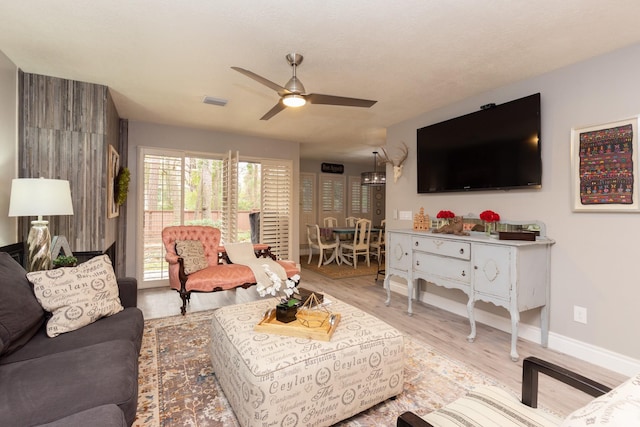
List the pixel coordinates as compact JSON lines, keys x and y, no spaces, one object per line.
{"x":597,"y":355}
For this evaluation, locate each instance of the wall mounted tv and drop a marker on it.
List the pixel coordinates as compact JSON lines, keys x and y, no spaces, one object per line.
{"x":496,"y":148}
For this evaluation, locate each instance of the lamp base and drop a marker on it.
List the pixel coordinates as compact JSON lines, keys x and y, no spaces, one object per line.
{"x":39,"y":244}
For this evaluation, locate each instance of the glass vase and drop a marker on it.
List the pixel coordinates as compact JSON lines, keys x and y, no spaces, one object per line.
{"x":488,"y":226}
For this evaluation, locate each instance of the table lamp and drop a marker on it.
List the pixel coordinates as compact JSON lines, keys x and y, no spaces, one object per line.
{"x":38,"y":197}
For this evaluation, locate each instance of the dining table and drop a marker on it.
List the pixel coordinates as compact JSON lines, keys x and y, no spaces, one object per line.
{"x":335,"y":233}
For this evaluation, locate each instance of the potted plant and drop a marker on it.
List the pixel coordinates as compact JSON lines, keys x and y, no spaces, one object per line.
{"x":65,"y":261}
{"x":286,"y":311}
{"x":287,"y":307}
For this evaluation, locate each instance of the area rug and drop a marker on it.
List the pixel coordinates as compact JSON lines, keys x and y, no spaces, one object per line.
{"x":177,"y":385}
{"x":335,"y":271}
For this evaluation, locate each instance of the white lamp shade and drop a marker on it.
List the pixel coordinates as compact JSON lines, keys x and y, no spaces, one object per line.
{"x":39,"y":197}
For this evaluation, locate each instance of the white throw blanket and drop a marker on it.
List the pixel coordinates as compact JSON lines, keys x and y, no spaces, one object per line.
{"x":243,"y":254}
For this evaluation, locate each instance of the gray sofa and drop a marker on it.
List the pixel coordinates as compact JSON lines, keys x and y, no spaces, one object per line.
{"x":79,"y":378}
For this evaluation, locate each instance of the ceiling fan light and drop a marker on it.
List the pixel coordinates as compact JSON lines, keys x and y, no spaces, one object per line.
{"x":293,"y":101}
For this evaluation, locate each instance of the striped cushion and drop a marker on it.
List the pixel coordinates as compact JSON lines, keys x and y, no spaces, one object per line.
{"x":490,"y":407}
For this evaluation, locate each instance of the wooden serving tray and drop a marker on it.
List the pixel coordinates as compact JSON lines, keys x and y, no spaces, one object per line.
{"x":270,"y":325}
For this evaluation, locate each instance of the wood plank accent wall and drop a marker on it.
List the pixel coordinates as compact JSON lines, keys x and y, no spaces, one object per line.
{"x":121,"y":239}
{"x":66,"y":129}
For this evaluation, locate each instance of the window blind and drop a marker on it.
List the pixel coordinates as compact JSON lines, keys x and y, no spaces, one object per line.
{"x":276,"y":213}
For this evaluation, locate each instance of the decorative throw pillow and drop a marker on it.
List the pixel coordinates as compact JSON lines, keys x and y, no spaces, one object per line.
{"x":20,"y":314}
{"x":77,"y":296}
{"x":619,"y":407}
{"x":192,"y":253}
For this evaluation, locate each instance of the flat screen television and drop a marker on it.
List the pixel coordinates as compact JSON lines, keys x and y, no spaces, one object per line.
{"x":496,"y":148}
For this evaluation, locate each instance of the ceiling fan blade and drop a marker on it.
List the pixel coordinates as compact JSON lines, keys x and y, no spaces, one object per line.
{"x":275,"y":110}
{"x":316,"y":98}
{"x":260,"y":79}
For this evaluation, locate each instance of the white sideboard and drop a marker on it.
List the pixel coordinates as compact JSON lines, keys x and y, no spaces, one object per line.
{"x":513,"y":274}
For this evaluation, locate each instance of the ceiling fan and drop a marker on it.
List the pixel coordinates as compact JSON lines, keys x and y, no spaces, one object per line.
{"x":293,"y":93}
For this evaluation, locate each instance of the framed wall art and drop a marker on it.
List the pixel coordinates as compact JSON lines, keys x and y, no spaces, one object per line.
{"x":604,"y":167}
{"x":113,"y":210}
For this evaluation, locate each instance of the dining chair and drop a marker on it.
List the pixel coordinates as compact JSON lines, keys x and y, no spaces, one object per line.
{"x":377,"y":242}
{"x":350,"y":221}
{"x":375,"y":237}
{"x":377,"y":246}
{"x":360,"y":244}
{"x":315,"y":240}
{"x":330,"y":222}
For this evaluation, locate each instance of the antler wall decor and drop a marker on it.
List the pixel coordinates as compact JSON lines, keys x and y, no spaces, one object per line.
{"x":397,"y":163}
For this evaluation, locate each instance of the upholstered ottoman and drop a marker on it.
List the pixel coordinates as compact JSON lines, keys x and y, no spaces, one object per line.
{"x":274,"y":380}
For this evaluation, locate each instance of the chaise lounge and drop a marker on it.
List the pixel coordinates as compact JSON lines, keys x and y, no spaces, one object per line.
{"x":492,"y":406}
{"x":197,"y":262}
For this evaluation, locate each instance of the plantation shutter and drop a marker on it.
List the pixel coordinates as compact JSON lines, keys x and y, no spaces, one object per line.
{"x":307,"y":200}
{"x":229,"y":227}
{"x":332,"y":195}
{"x":276,"y":214}
{"x":357,"y":197}
{"x":365,"y":199}
{"x":162,"y":198}
{"x":306,"y":192}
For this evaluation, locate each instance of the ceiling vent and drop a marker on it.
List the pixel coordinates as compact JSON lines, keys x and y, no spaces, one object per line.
{"x":214,"y":101}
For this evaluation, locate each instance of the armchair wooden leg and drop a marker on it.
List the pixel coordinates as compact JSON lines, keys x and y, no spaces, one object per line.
{"x":185,"y":297}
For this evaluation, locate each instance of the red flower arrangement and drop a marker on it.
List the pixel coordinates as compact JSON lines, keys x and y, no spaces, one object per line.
{"x":489,"y":216}
{"x":445,"y":215}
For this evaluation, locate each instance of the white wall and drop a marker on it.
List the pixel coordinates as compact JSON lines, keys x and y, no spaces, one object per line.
{"x":595,"y":259}
{"x":8,"y":146}
{"x":200,"y":141}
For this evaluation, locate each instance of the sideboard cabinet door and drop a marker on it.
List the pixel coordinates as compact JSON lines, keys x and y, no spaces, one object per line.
{"x":492,"y":273}
{"x":399,"y":251}
{"x":399,"y":255}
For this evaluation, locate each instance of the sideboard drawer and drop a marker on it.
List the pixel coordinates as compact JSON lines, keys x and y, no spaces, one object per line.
{"x":448,"y":248}
{"x":445,"y":267}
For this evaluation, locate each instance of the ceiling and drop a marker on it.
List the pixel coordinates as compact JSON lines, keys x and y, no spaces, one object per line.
{"x":161,"y":57}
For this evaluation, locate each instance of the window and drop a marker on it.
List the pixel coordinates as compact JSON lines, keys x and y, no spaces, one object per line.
{"x":184,"y":188}
{"x":162,"y":194}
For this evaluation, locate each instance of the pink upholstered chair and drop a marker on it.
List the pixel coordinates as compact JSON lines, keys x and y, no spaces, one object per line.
{"x":220,"y":274}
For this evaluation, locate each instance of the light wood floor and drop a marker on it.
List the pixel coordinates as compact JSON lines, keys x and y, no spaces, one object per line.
{"x":438,"y":328}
